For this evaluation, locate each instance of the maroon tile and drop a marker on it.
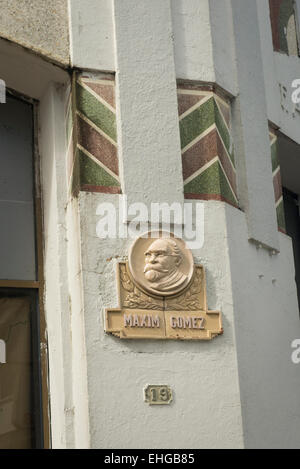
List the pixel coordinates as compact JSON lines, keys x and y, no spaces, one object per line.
{"x":226,"y":163}
{"x":106,"y":92}
{"x":104,"y":189}
{"x":186,"y":101}
{"x":99,"y":146}
{"x":199,"y":154}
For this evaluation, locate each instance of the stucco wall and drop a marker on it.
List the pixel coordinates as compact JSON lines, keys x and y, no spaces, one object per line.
{"x":97,"y":399}
{"x":38,"y":25}
{"x":280,"y":70}
{"x":266,"y":322}
{"x":257,"y":296}
{"x":206,"y":410}
{"x":254,"y":289}
{"x":92,"y":34}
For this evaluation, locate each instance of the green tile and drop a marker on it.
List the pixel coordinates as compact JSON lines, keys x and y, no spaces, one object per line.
{"x":232,"y":156}
{"x":96,"y":112}
{"x":200,"y":120}
{"x":223,"y":131}
{"x":225,"y":189}
{"x":211,"y":181}
{"x":206,"y":183}
{"x":197,"y":122}
{"x":93,"y":174}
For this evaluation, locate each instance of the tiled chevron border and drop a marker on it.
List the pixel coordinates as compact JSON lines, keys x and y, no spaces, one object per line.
{"x":95,"y":166}
{"x":277,"y":181}
{"x":207,"y":157}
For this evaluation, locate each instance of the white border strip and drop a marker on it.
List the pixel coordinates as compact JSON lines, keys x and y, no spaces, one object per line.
{"x":279,"y":201}
{"x":276,"y":171}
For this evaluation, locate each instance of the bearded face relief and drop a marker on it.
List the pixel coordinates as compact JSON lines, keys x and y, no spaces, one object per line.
{"x":162,"y":261}
{"x":161,"y":265}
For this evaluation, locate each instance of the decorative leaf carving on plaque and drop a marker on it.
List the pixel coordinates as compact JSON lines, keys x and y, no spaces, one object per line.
{"x":190,"y":300}
{"x":184,"y":315}
{"x":133,"y":297}
{"x":125,"y":279}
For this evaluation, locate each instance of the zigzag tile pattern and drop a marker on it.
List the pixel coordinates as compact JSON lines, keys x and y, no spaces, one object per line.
{"x":206,"y":145}
{"x":96,"y":146}
{"x":277,"y":182}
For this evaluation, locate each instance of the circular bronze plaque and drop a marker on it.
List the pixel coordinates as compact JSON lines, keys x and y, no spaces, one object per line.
{"x":161,"y":264}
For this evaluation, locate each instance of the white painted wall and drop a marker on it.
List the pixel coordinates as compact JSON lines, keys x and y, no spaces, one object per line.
{"x":32,"y":76}
{"x":254,"y":289}
{"x":202,"y":35}
{"x":279,"y":71}
{"x":251,"y":135}
{"x":192,"y":40}
{"x":92,"y":34}
{"x":203,"y":42}
{"x":206,"y":411}
{"x":268,"y":60}
{"x":55,"y":268}
{"x":147,"y":113}
{"x":287,"y":70}
{"x":96,"y":381}
{"x":63,"y":287}
{"x":266,"y":322}
{"x":257,"y":296}
{"x":221,"y":24}
{"x":79,"y":363}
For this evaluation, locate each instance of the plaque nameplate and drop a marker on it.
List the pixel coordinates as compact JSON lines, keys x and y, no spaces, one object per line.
{"x":179,"y":311}
{"x":158,"y":394}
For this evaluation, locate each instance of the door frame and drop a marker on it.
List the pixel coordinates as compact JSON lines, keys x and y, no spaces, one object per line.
{"x":37,"y":286}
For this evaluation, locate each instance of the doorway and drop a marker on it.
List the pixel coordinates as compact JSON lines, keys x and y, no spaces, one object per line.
{"x":23,"y":401}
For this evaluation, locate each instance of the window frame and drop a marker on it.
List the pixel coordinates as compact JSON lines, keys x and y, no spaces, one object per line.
{"x":274,"y":27}
{"x":36,"y":287}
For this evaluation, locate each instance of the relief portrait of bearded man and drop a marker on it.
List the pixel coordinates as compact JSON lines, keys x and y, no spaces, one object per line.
{"x":162,"y":262}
